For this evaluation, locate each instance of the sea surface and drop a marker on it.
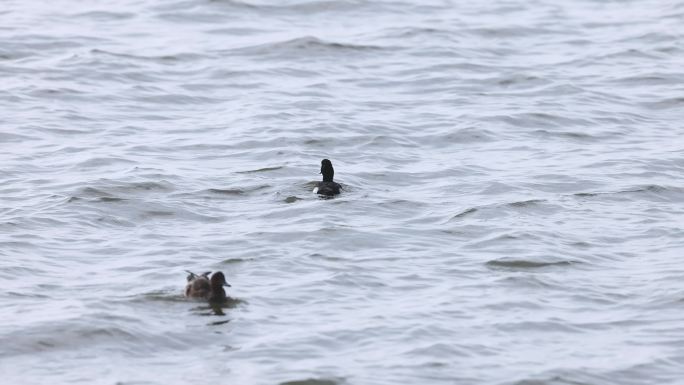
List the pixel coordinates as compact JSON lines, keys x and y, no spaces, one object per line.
{"x":512,"y":209}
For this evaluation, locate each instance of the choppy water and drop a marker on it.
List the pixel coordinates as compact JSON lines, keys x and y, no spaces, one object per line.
{"x":512,"y":214}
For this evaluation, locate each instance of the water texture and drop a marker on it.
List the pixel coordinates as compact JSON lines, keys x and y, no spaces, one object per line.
{"x":512,"y":213}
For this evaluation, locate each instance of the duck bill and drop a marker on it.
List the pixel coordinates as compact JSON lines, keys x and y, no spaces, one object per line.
{"x":226,"y":284}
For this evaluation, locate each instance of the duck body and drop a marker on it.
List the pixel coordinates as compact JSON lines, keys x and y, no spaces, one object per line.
{"x":202,"y":287}
{"x":327,"y":186}
{"x":198,"y":285}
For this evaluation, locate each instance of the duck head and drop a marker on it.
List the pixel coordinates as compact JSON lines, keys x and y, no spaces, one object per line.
{"x":327,"y":170}
{"x":218,"y":280}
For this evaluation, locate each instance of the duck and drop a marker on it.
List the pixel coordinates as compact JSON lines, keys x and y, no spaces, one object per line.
{"x":327,"y":186}
{"x":201,"y":286}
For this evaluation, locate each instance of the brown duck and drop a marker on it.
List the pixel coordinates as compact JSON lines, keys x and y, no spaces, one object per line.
{"x":201,"y":286}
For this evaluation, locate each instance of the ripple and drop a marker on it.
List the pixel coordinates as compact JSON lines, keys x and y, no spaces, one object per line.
{"x":163,"y":59}
{"x":665,"y":104}
{"x":105,"y":15}
{"x":264,"y":169}
{"x":527,"y":203}
{"x":464,"y":213}
{"x":6,"y":137}
{"x":519,"y":264}
{"x":311,"y":381}
{"x":649,"y":192}
{"x":292,"y":199}
{"x":230,"y":191}
{"x":308,"y":45}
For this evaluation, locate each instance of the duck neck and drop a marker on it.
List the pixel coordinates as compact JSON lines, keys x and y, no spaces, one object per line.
{"x":328,"y":175}
{"x":217,"y":291}
{"x":328,"y":172}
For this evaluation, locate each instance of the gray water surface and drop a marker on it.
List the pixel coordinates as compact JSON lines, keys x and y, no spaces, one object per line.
{"x":512,"y":209}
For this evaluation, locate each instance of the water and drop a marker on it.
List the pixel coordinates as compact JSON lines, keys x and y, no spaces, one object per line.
{"x":512,"y":211}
